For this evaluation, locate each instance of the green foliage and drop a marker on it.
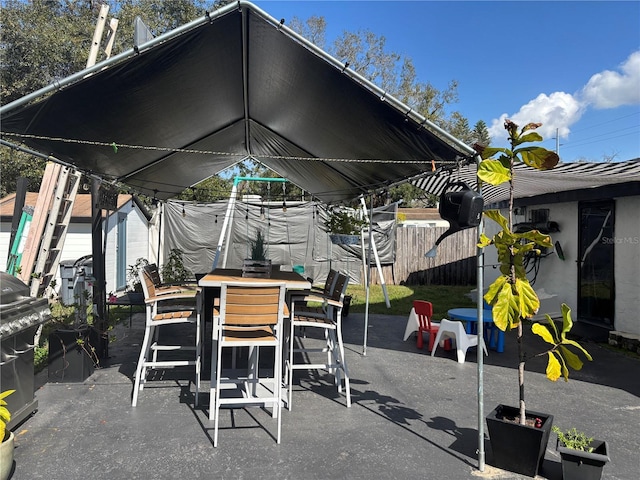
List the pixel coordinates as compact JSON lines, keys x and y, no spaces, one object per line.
{"x":15,"y":164}
{"x":511,"y":294}
{"x":210,"y":190}
{"x":5,"y":414}
{"x":133,"y":278}
{"x":173,"y":271}
{"x":258,"y":247}
{"x":574,"y":439}
{"x":561,"y":358}
{"x":345,"y":222}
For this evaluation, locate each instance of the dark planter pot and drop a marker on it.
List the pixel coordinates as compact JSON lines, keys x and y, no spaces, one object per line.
{"x":136,"y":298}
{"x":72,"y":357}
{"x":346,"y":304}
{"x":256,"y":268}
{"x":518,"y":448}
{"x":342,"y":239}
{"x":578,"y":465}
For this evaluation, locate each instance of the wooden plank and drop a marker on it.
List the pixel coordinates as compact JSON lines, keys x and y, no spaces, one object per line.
{"x":40,"y":214}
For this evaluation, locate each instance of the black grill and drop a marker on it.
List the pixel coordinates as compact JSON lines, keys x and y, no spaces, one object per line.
{"x":20,"y":316}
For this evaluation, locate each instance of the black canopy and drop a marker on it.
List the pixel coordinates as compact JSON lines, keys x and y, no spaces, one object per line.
{"x":232,"y":85}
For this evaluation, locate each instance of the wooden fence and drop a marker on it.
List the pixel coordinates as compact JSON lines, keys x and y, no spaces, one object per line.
{"x":454,"y":264}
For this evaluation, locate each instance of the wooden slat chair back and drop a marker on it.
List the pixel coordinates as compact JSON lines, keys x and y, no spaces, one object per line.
{"x":250,"y":315}
{"x":251,"y":306}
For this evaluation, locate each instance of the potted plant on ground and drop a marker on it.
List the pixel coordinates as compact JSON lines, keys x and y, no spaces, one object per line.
{"x":583,"y":458}
{"x":257,"y":266}
{"x":73,"y":341}
{"x":345,"y":226}
{"x":6,"y":447}
{"x":519,"y":436}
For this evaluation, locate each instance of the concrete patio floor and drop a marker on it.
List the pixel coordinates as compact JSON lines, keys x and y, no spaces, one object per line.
{"x":413,"y":416}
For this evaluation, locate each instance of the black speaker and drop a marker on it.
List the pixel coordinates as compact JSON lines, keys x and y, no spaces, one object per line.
{"x":461,"y":209}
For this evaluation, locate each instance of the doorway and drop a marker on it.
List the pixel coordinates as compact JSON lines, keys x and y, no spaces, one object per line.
{"x":596,"y":289}
{"x":121,"y":252}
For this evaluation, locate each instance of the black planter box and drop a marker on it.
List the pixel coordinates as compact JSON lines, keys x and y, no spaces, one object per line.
{"x":518,"y":448}
{"x":71,"y":356}
{"x":578,"y":465}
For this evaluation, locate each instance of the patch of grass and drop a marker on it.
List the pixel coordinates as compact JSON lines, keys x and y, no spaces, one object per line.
{"x":401,"y":297}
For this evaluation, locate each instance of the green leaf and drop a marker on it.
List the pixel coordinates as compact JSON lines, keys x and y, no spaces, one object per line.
{"x":529,"y":303}
{"x":493,"y":172}
{"x":543,"y":332}
{"x":578,"y":346}
{"x":493,"y":290}
{"x":505,"y":310}
{"x":552,"y":324}
{"x":484,"y":241}
{"x":497,"y":217}
{"x":567,"y":323}
{"x":571,"y":358}
{"x":538,"y":238}
{"x":489,"y":152}
{"x":553,"y":367}
{"x":530,"y":137}
{"x":538,"y":157}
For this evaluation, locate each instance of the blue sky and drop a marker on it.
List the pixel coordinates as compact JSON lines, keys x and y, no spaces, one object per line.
{"x":573,"y":66}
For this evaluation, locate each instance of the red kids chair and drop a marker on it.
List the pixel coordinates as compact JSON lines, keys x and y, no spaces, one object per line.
{"x":424,"y":312}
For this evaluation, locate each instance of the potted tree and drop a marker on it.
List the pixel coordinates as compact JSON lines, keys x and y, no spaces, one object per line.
{"x":519,"y":436}
{"x":583,"y":458}
{"x":6,"y":447}
{"x":257,"y":266}
{"x":344,"y":227}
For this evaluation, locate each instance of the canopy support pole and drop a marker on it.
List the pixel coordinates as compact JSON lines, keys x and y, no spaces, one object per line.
{"x":229,"y":213}
{"x":374,"y":250}
{"x":479,"y":314}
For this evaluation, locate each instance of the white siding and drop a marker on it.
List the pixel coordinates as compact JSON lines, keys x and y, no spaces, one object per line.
{"x":561,"y":277}
{"x":627,"y":264}
{"x":78,"y":242}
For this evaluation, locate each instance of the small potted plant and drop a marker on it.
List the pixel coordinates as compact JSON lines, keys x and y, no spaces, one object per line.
{"x":257,"y":266}
{"x":583,"y":458}
{"x":135,"y":293}
{"x":344,"y":227}
{"x":6,"y":447}
{"x":519,"y":436}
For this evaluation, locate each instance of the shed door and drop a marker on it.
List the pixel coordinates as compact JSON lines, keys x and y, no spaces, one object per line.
{"x":595,"y":263}
{"x":121,"y":252}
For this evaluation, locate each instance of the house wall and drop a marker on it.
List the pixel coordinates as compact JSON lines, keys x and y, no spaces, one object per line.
{"x":78,"y":242}
{"x":560,"y":278}
{"x":627,"y":264}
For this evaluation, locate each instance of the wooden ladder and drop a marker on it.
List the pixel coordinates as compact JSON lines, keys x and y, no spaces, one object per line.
{"x":52,"y":215}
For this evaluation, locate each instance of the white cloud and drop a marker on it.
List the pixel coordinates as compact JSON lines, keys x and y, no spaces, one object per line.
{"x":556,"y":112}
{"x":610,"y":89}
{"x":560,"y":110}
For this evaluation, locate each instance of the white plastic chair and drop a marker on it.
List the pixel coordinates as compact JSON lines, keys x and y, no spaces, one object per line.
{"x":456,"y":332}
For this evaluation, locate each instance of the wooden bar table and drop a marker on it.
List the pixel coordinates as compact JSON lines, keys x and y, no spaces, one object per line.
{"x":212,"y":281}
